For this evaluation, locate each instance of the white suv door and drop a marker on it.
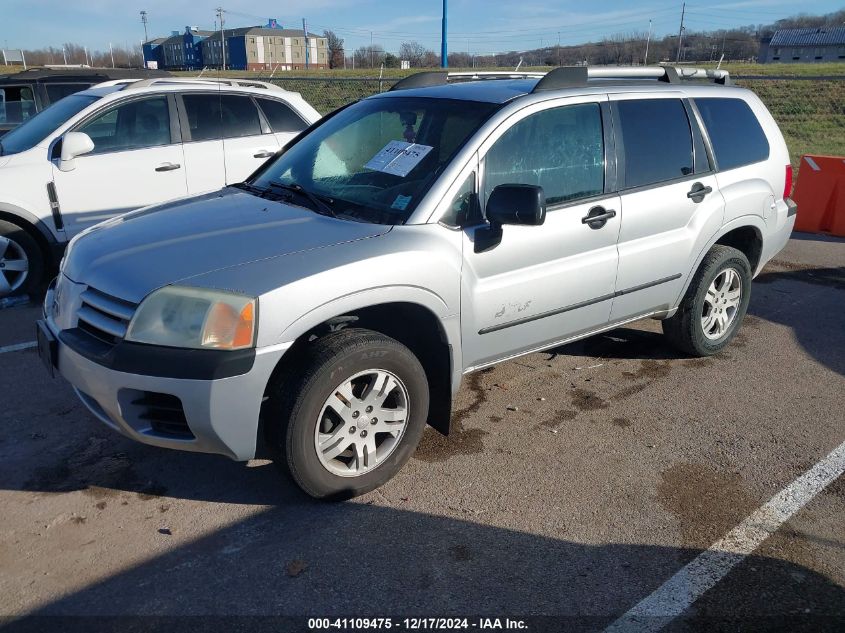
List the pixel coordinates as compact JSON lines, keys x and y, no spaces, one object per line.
{"x":226,"y":139}
{"x":137,"y":160}
{"x":544,"y":283}
{"x":671,"y":203}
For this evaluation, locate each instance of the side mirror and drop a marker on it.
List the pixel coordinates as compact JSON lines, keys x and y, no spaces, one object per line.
{"x":74,"y":144}
{"x":517,"y":204}
{"x":523,"y":205}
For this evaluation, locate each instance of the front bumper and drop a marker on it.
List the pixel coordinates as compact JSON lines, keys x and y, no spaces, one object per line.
{"x":221,"y":415}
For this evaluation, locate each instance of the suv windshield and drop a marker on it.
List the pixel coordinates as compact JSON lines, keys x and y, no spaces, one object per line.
{"x":36,"y":129}
{"x":375,"y":160}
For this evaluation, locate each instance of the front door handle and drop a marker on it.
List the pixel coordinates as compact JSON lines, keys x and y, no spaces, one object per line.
{"x":263,"y":154}
{"x":698,"y":191}
{"x":598,"y":217}
{"x":168,"y":166}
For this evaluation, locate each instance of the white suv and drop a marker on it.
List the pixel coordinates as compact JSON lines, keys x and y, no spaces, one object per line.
{"x":127,"y":144}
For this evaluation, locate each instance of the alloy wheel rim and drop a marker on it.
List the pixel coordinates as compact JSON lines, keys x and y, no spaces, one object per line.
{"x":721,"y":304}
{"x":361,"y":423}
{"x":14,"y":266}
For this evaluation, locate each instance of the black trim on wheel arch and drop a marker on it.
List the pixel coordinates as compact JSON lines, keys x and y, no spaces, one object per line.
{"x":158,"y":360}
{"x":575,"y":306}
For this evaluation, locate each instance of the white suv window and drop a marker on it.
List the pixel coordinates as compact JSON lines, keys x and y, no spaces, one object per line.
{"x":560,"y":150}
{"x":134,"y":125}
{"x":657,"y":141}
{"x":212,"y":116}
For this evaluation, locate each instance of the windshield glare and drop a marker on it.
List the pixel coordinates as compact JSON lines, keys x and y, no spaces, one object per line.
{"x":33,"y":131}
{"x":377,"y":159}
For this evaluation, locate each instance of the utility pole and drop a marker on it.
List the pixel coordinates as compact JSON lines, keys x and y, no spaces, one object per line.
{"x":64,"y":54}
{"x":144,"y":20}
{"x":558,"y":48}
{"x":647,"y":42}
{"x":444,"y":50}
{"x":305,"y":30}
{"x":372,"y":64}
{"x":681,"y":31}
{"x":87,"y":63}
{"x":222,"y":38}
{"x":111,"y":52}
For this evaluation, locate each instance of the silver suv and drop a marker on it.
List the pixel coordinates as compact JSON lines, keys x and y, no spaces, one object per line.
{"x":326,"y":309}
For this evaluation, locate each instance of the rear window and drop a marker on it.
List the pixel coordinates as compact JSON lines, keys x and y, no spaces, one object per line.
{"x":734,"y":131}
{"x":657,"y":141}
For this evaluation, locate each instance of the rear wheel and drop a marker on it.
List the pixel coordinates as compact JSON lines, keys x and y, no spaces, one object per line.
{"x":348,"y":417}
{"x":714,"y":305}
{"x":21,"y":261}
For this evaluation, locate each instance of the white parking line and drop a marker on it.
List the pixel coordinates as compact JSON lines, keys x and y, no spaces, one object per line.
{"x":17,"y":347}
{"x":678,"y":593}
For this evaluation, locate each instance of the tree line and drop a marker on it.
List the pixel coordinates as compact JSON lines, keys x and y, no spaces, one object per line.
{"x":736,"y":44}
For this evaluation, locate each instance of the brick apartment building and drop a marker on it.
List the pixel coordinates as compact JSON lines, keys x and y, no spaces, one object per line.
{"x":249,"y":48}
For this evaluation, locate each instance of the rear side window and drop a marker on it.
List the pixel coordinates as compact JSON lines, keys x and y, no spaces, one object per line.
{"x":220,"y":116}
{"x":281,"y":117}
{"x":734,"y":131}
{"x":657,"y":141}
{"x":17,"y":104}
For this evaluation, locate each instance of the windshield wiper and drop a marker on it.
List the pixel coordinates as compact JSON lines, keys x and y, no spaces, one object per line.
{"x":318,"y":201}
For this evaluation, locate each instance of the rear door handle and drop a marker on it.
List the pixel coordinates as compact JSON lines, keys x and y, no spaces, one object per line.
{"x":168,"y":166}
{"x":598,"y":217}
{"x":698,"y":191}
{"x":263,"y":154}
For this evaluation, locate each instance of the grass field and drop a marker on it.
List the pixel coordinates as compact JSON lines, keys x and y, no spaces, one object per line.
{"x":810,"y":112}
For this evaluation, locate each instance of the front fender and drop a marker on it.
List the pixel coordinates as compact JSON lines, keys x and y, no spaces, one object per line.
{"x":448,"y":320}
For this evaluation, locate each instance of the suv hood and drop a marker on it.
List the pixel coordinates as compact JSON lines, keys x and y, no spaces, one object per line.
{"x":131,"y":255}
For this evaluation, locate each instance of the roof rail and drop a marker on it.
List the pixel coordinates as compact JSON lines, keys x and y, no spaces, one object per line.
{"x":440,"y":78}
{"x":144,"y":83}
{"x":575,"y":76}
{"x":568,"y":76}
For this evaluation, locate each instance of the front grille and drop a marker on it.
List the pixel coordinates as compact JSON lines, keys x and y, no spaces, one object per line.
{"x":163,"y":412}
{"x":104,"y":317}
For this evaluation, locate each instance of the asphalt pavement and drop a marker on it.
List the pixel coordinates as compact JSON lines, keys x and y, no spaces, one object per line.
{"x":576,"y":483}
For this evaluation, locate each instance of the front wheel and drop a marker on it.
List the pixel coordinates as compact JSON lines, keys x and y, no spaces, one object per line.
{"x":21,"y":261}
{"x":714,"y":305}
{"x":347,"y":418}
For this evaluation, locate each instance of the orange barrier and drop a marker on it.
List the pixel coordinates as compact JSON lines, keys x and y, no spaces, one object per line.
{"x":820,"y":194}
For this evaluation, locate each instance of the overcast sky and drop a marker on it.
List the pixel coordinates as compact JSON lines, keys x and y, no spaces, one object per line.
{"x":480,"y":26}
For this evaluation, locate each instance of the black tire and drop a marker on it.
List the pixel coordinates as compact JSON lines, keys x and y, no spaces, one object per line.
{"x":684,"y":329}
{"x":297,"y":396}
{"x":35,"y":275}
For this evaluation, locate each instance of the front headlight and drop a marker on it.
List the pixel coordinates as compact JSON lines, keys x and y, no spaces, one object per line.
{"x":177,"y":316}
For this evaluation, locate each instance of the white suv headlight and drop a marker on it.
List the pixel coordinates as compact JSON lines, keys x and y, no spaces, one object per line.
{"x":177,"y":316}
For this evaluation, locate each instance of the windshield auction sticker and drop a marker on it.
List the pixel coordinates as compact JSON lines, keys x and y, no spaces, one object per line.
{"x":398,"y":158}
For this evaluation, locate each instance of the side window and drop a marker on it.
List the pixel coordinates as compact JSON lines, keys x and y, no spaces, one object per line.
{"x":60,"y":91}
{"x":464,"y":207}
{"x":133,"y":125}
{"x":212,"y":116}
{"x":240,"y":117}
{"x":17,"y":104}
{"x":281,"y":117}
{"x":561,"y":150}
{"x":657,"y":141}
{"x":734,"y":131}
